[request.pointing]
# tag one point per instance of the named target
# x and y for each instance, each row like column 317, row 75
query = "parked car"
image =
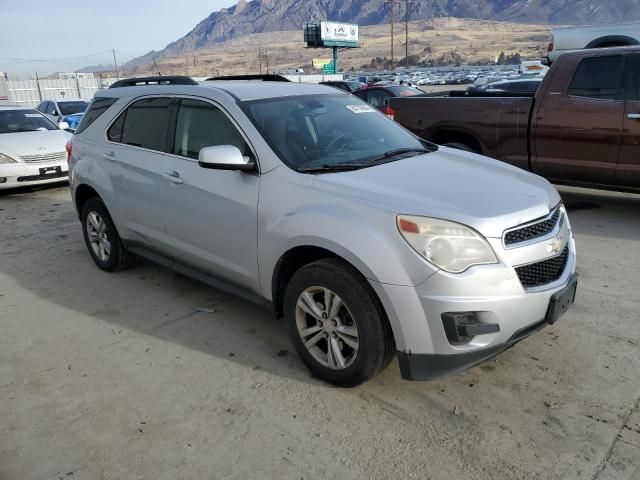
column 364, row 237
column 55, row 110
column 599, row 36
column 527, row 86
column 32, row 148
column 72, row 120
column 378, row 96
column 581, row 128
column 347, row 86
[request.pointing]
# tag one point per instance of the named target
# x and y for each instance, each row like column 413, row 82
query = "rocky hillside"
column 258, row 16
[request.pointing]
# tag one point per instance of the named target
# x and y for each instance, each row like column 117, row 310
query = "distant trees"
column 512, row 59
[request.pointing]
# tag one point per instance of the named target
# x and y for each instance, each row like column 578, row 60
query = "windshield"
column 67, row 108
column 323, row 130
column 14, row 121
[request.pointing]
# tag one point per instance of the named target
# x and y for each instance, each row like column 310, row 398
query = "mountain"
column 258, row 16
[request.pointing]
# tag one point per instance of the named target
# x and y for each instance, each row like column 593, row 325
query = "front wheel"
column 336, row 324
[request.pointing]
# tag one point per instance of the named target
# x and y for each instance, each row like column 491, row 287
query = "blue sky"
column 48, row 29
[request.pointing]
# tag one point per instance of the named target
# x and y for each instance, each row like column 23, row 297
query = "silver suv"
column 366, row 239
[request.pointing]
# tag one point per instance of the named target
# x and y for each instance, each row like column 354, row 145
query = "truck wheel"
column 336, row 324
column 102, row 239
column 460, row 146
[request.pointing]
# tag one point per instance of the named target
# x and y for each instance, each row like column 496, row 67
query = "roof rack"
column 265, row 78
column 168, row 80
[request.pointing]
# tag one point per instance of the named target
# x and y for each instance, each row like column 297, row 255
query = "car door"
column 628, row 169
column 577, row 129
column 211, row 215
column 134, row 157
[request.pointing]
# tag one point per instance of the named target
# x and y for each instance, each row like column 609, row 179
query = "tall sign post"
column 334, row 35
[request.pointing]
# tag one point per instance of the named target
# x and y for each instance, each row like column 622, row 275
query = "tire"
column 102, row 239
column 356, row 307
column 460, row 146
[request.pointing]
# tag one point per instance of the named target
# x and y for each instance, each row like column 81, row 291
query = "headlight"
column 6, row 159
column 447, row 245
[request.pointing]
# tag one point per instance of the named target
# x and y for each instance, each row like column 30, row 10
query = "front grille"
column 541, row 273
column 44, row 157
column 535, row 230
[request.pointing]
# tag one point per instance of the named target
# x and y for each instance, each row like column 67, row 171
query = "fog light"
column 3, row 179
column 461, row 327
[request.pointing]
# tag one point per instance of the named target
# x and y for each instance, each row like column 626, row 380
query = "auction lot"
column 148, row 374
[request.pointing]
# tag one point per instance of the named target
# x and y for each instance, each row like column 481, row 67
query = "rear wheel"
column 336, row 324
column 102, row 239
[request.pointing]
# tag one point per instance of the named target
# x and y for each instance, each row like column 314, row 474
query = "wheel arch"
column 612, row 41
column 84, row 192
column 446, row 135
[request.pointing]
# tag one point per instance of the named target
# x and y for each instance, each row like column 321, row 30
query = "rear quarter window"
column 98, row 106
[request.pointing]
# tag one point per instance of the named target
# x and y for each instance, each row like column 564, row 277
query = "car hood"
column 32, row 143
column 485, row 194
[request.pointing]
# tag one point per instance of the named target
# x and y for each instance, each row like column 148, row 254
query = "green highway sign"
column 327, row 68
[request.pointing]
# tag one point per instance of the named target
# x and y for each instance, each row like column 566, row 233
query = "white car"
column 32, row 148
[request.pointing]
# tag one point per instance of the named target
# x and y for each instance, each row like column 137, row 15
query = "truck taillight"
column 550, row 46
column 389, row 112
column 69, row 148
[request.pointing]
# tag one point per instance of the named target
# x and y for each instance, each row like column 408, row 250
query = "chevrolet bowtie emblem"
column 557, row 244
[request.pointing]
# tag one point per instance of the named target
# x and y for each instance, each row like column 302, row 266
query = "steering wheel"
column 345, row 139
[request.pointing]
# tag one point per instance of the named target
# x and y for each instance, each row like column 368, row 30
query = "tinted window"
column 633, row 78
column 50, row 108
column 97, row 108
column 598, row 77
column 114, row 134
column 201, row 125
column 68, row 108
column 145, row 124
column 377, row 98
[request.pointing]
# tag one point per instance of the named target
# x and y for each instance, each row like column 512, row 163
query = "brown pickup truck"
column 582, row 127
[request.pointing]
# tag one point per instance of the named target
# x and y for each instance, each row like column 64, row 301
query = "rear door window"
column 144, row 124
column 97, row 108
column 377, row 98
column 598, row 77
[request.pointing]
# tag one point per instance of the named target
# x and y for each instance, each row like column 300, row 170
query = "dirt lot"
column 147, row 374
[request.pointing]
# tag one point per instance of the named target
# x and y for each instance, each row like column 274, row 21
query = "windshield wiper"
column 338, row 167
column 397, row 151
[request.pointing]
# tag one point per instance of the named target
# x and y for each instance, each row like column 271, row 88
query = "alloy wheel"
column 98, row 236
column 327, row 328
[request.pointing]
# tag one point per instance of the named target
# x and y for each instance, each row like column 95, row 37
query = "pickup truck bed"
column 581, row 128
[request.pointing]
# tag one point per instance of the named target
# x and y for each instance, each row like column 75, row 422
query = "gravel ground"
column 146, row 374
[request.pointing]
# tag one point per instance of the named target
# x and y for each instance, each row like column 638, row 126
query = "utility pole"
column 260, row 58
column 392, row 3
column 115, row 63
column 266, row 56
column 406, row 33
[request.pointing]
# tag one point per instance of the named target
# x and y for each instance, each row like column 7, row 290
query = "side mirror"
column 55, row 114
column 225, row 157
column 63, row 125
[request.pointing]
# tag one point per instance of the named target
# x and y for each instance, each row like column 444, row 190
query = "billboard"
column 339, row 32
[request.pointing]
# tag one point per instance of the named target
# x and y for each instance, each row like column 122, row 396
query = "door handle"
column 634, row 116
column 109, row 156
column 173, row 177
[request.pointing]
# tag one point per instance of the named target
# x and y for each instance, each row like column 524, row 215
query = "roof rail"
column 265, row 78
column 168, row 80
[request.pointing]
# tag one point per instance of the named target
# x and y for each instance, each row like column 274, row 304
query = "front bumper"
column 22, row 174
column 493, row 293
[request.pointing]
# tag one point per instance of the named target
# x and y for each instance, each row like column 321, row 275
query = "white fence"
column 31, row 92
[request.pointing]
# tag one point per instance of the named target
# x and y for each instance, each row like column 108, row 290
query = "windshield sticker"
column 361, row 108
column 32, row 115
